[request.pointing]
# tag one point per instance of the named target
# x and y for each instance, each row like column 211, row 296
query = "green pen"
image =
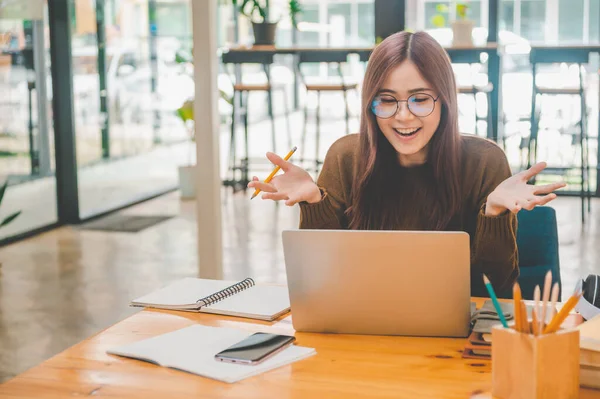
column 490, row 289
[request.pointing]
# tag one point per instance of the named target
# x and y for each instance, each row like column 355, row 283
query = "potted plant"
column 257, row 11
column 187, row 172
column 462, row 26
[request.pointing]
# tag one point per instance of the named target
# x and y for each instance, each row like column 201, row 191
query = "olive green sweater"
column 483, row 167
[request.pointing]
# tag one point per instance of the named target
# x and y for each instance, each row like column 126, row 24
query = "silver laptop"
column 413, row 283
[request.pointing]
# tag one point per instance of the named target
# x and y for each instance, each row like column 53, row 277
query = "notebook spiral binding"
column 226, row 292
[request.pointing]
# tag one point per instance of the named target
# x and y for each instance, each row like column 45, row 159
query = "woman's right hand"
column 293, row 186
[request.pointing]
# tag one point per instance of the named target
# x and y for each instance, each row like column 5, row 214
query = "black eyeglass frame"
column 407, row 104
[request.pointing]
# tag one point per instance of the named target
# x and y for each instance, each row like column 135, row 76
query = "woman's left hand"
column 514, row 194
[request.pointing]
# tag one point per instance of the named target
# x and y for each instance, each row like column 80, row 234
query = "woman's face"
column 408, row 132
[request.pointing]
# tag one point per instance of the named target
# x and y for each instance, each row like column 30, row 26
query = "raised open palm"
column 514, row 193
column 293, row 186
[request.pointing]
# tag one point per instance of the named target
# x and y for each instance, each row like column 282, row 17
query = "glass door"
column 128, row 85
column 26, row 129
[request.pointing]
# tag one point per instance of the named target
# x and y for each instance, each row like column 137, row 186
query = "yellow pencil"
column 562, row 314
column 517, row 307
column 535, row 326
column 274, row 172
column 525, row 319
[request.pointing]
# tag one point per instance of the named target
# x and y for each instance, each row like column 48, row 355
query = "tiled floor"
column 60, row 287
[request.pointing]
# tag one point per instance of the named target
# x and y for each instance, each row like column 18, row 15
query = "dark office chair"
column 537, row 243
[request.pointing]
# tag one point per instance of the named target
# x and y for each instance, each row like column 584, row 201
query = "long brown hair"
column 372, row 206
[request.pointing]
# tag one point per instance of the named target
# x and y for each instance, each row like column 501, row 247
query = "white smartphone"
column 255, row 349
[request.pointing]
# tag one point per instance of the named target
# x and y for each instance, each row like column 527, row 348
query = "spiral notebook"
column 230, row 298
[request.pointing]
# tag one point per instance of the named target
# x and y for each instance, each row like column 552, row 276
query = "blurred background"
column 130, row 75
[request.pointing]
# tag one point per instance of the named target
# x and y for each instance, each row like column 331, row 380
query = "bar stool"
column 474, row 90
column 470, row 58
column 574, row 56
column 330, row 57
column 265, row 59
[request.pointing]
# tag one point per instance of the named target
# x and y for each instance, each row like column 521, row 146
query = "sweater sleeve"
column 494, row 246
column 329, row 213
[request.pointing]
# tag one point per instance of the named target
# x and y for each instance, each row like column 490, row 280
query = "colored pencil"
column 562, row 314
column 494, row 299
column 517, row 308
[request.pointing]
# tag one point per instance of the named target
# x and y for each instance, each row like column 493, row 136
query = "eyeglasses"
column 419, row 104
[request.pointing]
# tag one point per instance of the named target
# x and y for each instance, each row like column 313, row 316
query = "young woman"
column 410, row 169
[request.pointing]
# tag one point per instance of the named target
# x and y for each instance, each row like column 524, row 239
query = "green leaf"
column 243, row 8
column 261, row 10
column 438, row 21
column 3, row 190
column 186, row 111
column 442, row 8
column 182, row 57
column 295, row 6
column 10, row 219
column 295, row 9
column 461, row 10
column 225, row 97
column 12, row 154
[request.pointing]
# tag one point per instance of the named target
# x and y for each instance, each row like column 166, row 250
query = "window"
column 309, row 34
column 366, row 23
column 173, row 20
column 533, row 16
column 570, row 21
column 340, row 24
column 507, row 15
column 474, row 13
column 437, row 14
column 594, row 24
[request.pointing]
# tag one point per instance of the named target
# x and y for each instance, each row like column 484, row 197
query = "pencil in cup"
column 545, row 299
column 517, row 308
column 494, row 299
column 562, row 314
column 274, row 172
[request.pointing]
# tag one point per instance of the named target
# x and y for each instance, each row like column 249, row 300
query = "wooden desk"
column 346, row 366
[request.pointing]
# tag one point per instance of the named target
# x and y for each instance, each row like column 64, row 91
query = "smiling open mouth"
column 407, row 132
